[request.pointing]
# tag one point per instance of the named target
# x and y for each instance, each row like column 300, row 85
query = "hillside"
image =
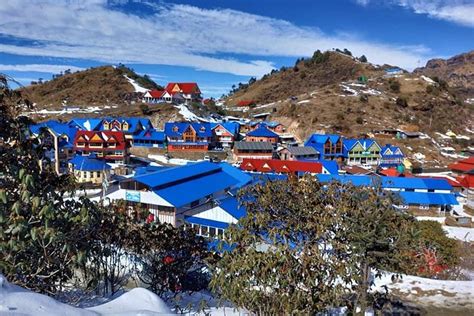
column 105, row 85
column 322, row 70
column 328, row 97
column 457, row 71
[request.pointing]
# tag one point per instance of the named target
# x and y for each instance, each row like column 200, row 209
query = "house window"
column 81, row 144
column 212, row 232
column 98, row 174
column 204, row 231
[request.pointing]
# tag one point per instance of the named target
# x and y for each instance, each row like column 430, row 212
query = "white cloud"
column 47, row 68
column 181, row 35
column 457, row 11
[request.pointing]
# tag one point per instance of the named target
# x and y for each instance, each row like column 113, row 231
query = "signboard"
column 132, row 196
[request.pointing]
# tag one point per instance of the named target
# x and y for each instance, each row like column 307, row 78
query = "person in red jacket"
column 150, row 218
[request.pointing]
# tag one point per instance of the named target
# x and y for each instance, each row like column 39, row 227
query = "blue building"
column 59, row 137
column 174, row 194
column 391, row 156
column 150, row 138
column 416, row 194
column 362, row 152
column 262, row 134
column 329, row 146
column 88, row 169
column 187, row 136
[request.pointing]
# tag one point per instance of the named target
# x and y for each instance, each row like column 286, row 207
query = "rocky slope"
column 457, row 71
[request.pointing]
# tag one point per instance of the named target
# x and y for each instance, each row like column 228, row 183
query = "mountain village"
column 236, row 158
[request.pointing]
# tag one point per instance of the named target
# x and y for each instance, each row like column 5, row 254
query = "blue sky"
column 218, row 43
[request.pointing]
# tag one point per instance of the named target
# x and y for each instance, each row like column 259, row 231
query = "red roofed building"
column 281, row 166
column 188, row 90
column 109, row 145
column 462, row 166
column 246, row 103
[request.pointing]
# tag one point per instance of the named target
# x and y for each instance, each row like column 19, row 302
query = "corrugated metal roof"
column 180, row 173
column 253, row 145
column 232, row 206
column 415, row 183
column 176, row 129
column 262, row 131
column 205, row 222
column 430, row 198
column 188, row 191
column 88, row 163
column 302, row 150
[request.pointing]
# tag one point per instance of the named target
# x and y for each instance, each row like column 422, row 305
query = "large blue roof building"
column 174, row 194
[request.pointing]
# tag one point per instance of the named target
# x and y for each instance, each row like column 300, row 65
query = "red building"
column 281, row 166
column 109, row 145
column 462, row 166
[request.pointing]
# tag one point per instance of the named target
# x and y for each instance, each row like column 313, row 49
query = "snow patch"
column 186, row 113
column 303, row 101
column 427, row 79
column 172, row 161
column 438, row 293
column 15, row 300
column 135, row 85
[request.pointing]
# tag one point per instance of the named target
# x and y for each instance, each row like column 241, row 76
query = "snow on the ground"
column 172, row 161
column 460, row 233
column 437, row 293
column 264, row 105
column 187, row 114
column 371, row 91
column 427, row 79
column 135, row 85
column 213, row 306
column 303, row 101
column 138, row 301
column 67, row 110
column 347, row 89
column 15, row 300
column 443, row 136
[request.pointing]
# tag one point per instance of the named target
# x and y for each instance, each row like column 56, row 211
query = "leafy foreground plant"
column 48, row 240
column 305, row 247
column 42, row 234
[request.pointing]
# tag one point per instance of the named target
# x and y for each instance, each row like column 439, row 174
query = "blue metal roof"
column 86, row 124
column 89, row 163
column 415, row 183
column 133, row 123
column 390, row 182
column 188, row 191
column 150, row 134
column 355, row 180
column 242, row 177
column 430, row 198
column 180, row 173
column 232, row 127
column 262, row 131
column 176, row 129
column 59, row 129
column 317, row 141
column 330, row 165
column 232, row 206
column 206, row 222
column 393, row 149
